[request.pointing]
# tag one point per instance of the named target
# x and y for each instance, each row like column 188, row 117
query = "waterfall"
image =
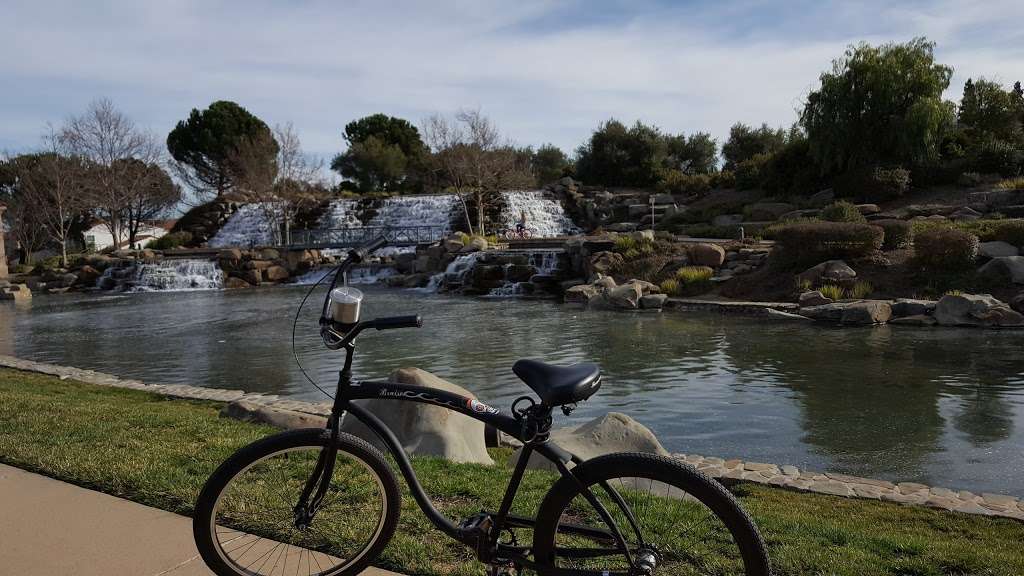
column 167, row 275
column 454, row 273
column 545, row 217
column 401, row 211
column 357, row 275
column 247, row 227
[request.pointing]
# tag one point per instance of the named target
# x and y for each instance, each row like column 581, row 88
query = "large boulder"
column 821, row 199
column 835, row 271
column 1004, row 270
column 581, row 294
column 653, row 301
column 16, row 292
column 624, row 297
column 997, row 249
column 475, row 244
column 711, row 255
column 232, row 283
column 910, row 307
column 424, row 429
column 453, row 243
column 604, row 263
column 612, row 432
column 87, row 276
column 975, row 310
column 1017, row 303
column 866, row 312
column 813, row 298
column 276, row 273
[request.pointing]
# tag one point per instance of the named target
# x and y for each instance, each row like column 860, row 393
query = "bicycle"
column 518, row 234
column 329, row 501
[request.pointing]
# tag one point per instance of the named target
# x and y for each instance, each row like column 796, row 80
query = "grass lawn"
column 159, row 451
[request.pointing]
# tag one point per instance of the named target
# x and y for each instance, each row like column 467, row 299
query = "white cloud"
column 545, row 71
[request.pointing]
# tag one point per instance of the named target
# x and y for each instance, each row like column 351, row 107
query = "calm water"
column 941, row 406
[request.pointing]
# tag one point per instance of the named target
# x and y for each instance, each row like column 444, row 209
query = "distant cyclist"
column 521, row 223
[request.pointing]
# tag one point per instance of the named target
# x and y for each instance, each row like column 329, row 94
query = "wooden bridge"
column 356, row 236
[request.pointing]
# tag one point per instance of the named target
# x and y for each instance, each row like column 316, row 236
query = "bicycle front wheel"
column 245, row 521
column 672, row 520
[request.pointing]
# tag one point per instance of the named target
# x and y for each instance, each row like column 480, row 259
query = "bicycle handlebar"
column 359, row 254
column 397, row 322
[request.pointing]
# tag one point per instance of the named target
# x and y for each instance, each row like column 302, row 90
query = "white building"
column 98, row 237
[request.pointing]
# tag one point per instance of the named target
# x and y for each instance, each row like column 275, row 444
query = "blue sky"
column 545, row 71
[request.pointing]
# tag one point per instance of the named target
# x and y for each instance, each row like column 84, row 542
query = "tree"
column 107, row 141
column 879, row 105
column 22, row 216
column 745, row 142
column 49, row 183
column 152, row 194
column 549, row 163
column 204, row 145
column 987, row 110
column 642, row 155
column 384, row 153
column 471, row 157
column 696, row 154
column 282, row 189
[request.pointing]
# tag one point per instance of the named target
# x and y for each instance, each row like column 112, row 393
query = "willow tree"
column 879, row 105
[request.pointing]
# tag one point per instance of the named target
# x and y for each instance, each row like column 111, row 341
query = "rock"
column 646, row 287
column 821, row 199
column 519, row 272
column 262, row 414
column 638, row 210
column 653, row 301
column 276, row 273
column 621, row 227
column 997, row 249
column 825, row 312
column 965, row 213
column 1018, row 303
column 233, row 282
column 868, row 209
column 814, row 298
column 612, row 432
column 774, row 314
column 424, row 429
column 910, row 307
column 866, row 312
column 660, row 199
column 258, row 264
column 87, row 276
column 643, row 235
column 16, row 293
column 233, row 254
column 270, row 254
column 702, row 254
column 604, row 263
column 625, row 297
column 254, row 277
column 797, row 214
column 475, row 244
column 604, row 282
column 453, row 243
column 830, row 271
column 768, row 211
column 975, row 310
column 727, row 220
column 1004, row 270
column 581, row 294
column 914, row 320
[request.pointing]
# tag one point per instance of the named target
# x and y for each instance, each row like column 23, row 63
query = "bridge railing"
column 348, row 237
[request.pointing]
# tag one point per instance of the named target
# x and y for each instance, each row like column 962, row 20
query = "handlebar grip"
column 360, row 254
column 398, row 322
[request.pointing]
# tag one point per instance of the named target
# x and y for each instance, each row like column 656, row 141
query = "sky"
column 544, row 71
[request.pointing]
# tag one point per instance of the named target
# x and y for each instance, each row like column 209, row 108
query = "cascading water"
column 545, row 216
column 405, row 211
column 358, row 275
column 167, row 275
column 249, row 226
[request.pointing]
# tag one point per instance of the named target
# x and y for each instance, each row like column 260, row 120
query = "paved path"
column 51, row 527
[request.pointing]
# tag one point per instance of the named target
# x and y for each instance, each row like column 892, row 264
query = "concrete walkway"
column 51, row 527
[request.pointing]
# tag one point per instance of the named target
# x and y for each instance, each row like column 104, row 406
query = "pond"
column 939, row 406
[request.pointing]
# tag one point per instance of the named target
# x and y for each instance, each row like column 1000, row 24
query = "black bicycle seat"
column 558, row 385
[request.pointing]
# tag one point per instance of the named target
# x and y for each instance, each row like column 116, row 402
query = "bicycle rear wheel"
column 245, row 520
column 674, row 520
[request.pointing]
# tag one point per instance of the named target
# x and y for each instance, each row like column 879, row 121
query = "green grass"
column 159, row 452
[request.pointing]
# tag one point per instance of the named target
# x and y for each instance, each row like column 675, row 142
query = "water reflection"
column 940, row 406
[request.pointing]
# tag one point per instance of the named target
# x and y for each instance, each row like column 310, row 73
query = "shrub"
column 676, row 182
column 172, row 240
column 1011, row 184
column 694, row 274
column 997, row 156
column 750, row 173
column 945, row 250
column 860, row 289
column 842, row 211
column 832, row 291
column 711, row 231
column 813, row 242
column 631, row 247
column 670, row 287
column 873, row 184
column 723, row 179
column 899, row 234
column 1009, row 231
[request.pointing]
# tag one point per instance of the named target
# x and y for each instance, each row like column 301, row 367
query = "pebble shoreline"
column 728, row 471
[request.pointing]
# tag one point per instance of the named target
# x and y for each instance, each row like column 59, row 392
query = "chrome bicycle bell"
column 345, row 303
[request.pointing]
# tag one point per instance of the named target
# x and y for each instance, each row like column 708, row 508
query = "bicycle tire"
column 204, row 520
column 666, row 471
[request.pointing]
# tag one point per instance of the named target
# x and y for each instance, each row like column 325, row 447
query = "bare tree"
column 152, row 195
column 282, row 189
column 472, row 157
column 108, row 139
column 50, row 182
column 21, row 216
